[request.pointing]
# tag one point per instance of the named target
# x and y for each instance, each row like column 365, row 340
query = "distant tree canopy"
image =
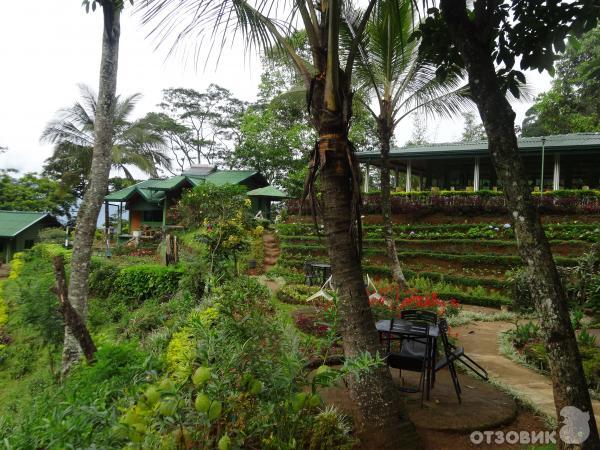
column 197, row 127
column 32, row 192
column 474, row 130
column 572, row 105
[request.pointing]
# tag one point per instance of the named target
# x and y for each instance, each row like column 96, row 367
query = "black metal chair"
column 452, row 354
column 310, row 275
column 416, row 354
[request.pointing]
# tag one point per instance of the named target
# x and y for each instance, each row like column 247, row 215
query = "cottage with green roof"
column 151, row 202
column 19, row 230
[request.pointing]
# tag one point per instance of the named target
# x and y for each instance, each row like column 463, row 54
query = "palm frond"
column 209, row 25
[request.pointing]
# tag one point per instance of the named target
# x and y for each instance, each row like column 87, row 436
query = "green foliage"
column 52, row 236
column 216, row 395
column 572, row 105
column 72, row 133
column 222, row 217
column 32, row 192
column 103, row 275
column 146, row 281
column 80, row 412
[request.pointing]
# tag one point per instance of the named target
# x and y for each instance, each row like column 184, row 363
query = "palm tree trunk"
column 386, row 207
column 374, row 393
column 566, row 371
column 87, row 215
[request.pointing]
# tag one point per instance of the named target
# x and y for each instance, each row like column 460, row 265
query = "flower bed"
column 480, row 202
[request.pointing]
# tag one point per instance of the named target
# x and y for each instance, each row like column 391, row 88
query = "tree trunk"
column 87, row 215
column 566, row 371
column 71, row 317
column 377, row 398
column 386, row 207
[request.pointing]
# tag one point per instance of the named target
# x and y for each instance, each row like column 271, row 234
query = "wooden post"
column 71, row 317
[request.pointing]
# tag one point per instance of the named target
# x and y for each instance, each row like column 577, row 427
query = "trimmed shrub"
column 148, row 281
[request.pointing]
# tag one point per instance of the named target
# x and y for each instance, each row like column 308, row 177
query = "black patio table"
column 403, row 329
column 324, row 268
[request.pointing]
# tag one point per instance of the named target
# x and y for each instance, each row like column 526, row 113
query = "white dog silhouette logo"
column 576, row 428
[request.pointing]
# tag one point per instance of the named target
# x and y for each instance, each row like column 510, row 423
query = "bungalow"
column 151, row 202
column 569, row 161
column 19, row 230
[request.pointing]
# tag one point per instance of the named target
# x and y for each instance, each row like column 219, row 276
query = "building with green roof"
column 19, row 230
column 569, row 161
column 151, row 202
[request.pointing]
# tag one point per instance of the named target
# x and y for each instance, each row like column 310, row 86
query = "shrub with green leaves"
column 141, row 282
column 231, row 383
column 81, row 412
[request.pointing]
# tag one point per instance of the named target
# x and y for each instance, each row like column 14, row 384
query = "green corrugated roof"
column 14, row 222
column 268, row 192
column 168, row 184
column 556, row 143
column 222, row 177
column 154, row 190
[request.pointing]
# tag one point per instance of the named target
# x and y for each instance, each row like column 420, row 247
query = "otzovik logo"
column 576, row 428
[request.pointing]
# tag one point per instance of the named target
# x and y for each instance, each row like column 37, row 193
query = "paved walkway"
column 480, row 340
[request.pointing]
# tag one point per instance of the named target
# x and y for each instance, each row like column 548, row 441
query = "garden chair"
column 322, row 292
column 415, row 353
column 309, row 273
column 452, row 354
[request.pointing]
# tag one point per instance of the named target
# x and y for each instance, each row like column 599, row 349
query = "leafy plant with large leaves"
column 327, row 77
column 72, row 130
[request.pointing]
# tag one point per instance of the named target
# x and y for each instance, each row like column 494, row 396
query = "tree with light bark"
column 388, row 67
column 87, row 215
column 327, row 78
column 486, row 38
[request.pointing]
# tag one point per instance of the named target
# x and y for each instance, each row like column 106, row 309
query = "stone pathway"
column 271, row 250
column 480, row 340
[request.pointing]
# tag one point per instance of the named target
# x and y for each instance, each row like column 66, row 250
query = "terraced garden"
column 473, row 263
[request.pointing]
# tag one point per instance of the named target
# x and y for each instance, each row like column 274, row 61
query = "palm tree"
column 389, row 68
column 103, row 143
column 327, row 79
column 133, row 143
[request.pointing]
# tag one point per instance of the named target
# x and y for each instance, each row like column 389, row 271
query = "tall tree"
column 389, row 68
column 473, row 130
column 135, row 144
column 202, row 125
column 486, row 38
column 87, row 215
column 327, row 79
column 572, row 105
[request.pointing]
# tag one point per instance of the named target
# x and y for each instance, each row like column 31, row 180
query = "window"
column 153, row 216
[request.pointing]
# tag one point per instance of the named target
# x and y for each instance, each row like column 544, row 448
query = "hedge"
column 146, row 281
column 472, row 258
column 463, row 202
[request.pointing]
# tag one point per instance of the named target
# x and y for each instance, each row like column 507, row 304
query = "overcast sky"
column 48, row 47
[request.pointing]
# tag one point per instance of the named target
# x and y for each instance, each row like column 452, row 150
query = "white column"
column 408, row 176
column 366, row 187
column 476, row 175
column 556, row 178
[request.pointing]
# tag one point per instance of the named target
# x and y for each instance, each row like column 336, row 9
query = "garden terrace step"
column 451, row 246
